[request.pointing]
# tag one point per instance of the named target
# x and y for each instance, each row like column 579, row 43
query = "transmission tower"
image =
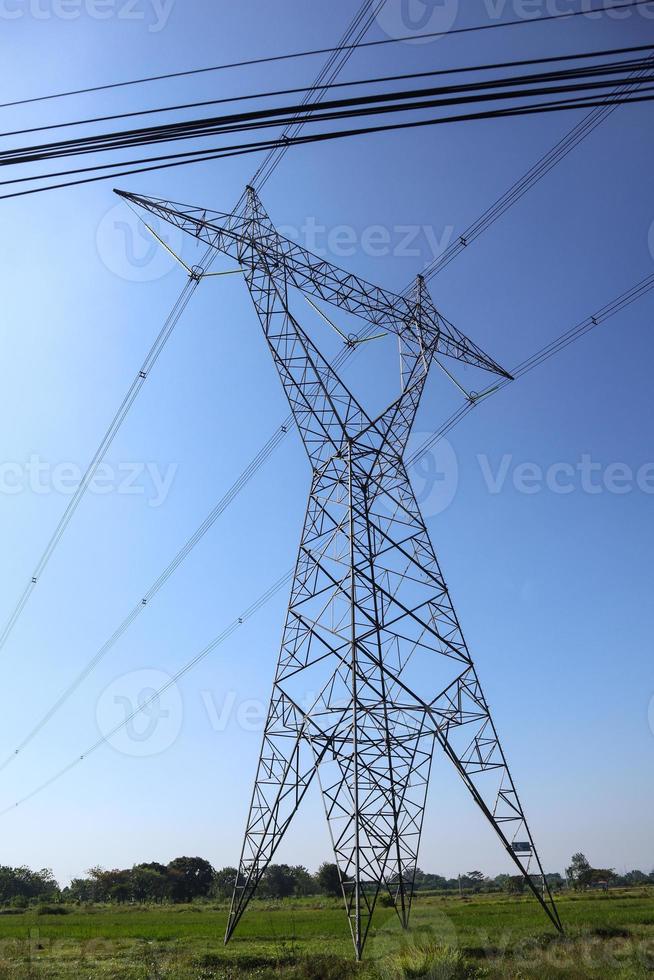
column 370, row 623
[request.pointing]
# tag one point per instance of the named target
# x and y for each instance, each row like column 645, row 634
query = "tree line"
column 183, row 880
column 188, row 879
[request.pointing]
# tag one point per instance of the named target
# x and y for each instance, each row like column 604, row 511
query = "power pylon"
column 370, row 622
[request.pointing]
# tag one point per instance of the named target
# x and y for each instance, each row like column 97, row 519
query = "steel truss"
column 370, row 621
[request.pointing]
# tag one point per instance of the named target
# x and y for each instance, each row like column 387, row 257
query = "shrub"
column 612, row 932
column 426, row 963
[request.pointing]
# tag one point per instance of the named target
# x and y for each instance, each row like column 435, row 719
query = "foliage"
column 19, row 885
column 223, row 882
column 149, row 883
column 580, row 874
column 189, row 878
column 278, row 881
column 515, row 884
column 579, row 866
column 329, row 880
column 182, row 880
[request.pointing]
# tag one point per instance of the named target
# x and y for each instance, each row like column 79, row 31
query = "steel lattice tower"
column 370, row 623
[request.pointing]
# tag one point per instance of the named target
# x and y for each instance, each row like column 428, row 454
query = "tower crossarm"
column 232, row 234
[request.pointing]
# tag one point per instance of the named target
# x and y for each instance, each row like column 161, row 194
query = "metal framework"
column 370, row 625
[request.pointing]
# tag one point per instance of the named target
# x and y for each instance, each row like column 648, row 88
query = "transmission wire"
column 333, row 85
column 317, row 51
column 337, row 109
column 532, row 176
column 204, row 156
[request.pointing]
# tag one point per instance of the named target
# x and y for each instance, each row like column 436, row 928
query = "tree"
column 515, row 885
column 279, row 881
column 148, row 884
column 578, row 868
column 424, row 880
column 329, row 880
column 636, row 877
column 582, row 875
column 223, row 882
column 112, row 886
column 98, row 885
column 189, row 877
column 304, row 883
column 555, row 880
column 22, row 884
column 153, row 866
column 474, row 879
column 80, row 890
column 598, row 876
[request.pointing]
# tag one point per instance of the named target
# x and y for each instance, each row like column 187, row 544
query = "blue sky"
column 553, row 589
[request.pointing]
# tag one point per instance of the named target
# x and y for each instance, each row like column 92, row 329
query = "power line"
column 318, row 51
column 558, row 152
column 216, row 153
column 578, row 79
column 492, row 66
column 154, row 589
column 610, row 309
column 584, row 327
column 337, row 60
column 539, row 357
column 198, row 658
column 106, row 441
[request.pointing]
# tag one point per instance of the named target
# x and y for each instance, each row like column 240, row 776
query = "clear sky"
column 553, row 588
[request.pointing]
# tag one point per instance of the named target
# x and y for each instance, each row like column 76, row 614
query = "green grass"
column 485, row 936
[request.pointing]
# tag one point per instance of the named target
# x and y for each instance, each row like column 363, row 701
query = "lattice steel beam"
column 370, row 616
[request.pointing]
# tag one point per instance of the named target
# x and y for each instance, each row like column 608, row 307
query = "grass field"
column 486, row 936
